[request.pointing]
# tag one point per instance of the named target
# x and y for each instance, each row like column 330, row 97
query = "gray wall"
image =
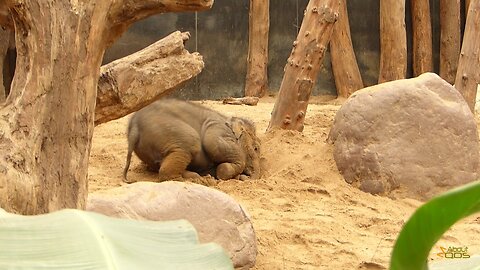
column 221, row 36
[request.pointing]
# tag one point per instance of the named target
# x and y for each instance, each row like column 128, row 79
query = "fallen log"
column 251, row 101
column 131, row 83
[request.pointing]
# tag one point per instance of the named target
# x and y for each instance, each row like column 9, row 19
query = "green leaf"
column 429, row 222
column 74, row 239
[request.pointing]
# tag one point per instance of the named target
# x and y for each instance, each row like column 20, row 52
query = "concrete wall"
column 221, row 36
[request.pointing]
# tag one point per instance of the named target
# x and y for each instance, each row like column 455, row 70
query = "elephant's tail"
column 133, row 136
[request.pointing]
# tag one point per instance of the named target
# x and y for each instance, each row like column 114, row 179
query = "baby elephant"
column 183, row 139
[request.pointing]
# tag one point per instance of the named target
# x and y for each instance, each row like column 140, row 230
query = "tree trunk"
column 467, row 5
column 449, row 38
column 422, row 37
column 393, row 41
column 344, row 64
column 302, row 67
column 48, row 118
column 133, row 82
column 468, row 73
column 4, row 45
column 259, row 23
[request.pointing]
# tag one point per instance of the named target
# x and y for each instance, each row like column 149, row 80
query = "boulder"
column 216, row 216
column 414, row 137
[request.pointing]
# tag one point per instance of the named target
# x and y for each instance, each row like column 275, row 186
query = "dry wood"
column 468, row 74
column 251, row 101
column 256, row 83
column 303, row 65
column 393, row 41
column 5, row 43
column 344, row 63
column 132, row 82
column 47, row 120
column 449, row 38
column 422, row 37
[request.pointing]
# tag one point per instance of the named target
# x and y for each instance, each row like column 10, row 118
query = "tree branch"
column 132, row 82
column 125, row 12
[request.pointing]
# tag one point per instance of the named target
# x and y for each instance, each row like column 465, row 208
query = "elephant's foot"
column 228, row 171
column 189, row 174
column 174, row 166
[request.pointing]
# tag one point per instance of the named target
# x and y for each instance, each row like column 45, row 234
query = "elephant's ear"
column 237, row 127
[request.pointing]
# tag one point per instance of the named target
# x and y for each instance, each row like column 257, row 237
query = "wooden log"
column 256, row 83
column 393, row 41
column 130, row 83
column 303, row 65
column 449, row 38
column 344, row 63
column 468, row 73
column 422, row 37
column 251, row 101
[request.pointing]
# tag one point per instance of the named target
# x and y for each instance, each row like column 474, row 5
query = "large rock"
column 216, row 216
column 414, row 137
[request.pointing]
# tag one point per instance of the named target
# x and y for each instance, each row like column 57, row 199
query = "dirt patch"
column 305, row 215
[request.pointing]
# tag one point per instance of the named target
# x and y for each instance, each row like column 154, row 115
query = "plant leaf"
column 429, row 222
column 74, row 239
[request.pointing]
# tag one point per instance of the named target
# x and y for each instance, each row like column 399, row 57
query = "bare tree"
column 259, row 23
column 468, row 73
column 344, row 63
column 422, row 37
column 449, row 38
column 303, row 64
column 47, row 120
column 393, row 41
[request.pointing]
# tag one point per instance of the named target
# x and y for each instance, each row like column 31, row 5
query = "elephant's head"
column 245, row 133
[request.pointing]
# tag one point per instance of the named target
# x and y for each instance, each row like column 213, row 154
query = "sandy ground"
column 305, row 215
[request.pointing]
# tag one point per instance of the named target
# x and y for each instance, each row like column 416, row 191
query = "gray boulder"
column 216, row 216
column 414, row 137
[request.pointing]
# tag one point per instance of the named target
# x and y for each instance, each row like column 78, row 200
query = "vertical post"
column 344, row 64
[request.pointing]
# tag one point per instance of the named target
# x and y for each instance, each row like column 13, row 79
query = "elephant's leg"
column 174, row 165
column 229, row 170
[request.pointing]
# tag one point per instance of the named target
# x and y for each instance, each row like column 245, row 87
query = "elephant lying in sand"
column 183, row 139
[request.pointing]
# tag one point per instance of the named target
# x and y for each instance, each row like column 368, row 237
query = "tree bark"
column 256, row 83
column 133, row 82
column 47, row 121
column 393, row 41
column 422, row 37
column 468, row 74
column 5, row 41
column 344, row 63
column 304, row 64
column 467, row 5
column 449, row 38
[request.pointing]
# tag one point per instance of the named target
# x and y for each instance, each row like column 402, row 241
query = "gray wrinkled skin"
column 185, row 140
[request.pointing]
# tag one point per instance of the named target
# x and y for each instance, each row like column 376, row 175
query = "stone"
column 406, row 138
column 216, row 216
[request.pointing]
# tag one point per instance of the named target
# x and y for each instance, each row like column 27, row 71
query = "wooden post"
column 344, row 64
column 422, row 37
column 303, row 64
column 393, row 41
column 449, row 38
column 256, row 83
column 468, row 73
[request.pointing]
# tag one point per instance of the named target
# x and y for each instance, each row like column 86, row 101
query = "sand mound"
column 305, row 215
